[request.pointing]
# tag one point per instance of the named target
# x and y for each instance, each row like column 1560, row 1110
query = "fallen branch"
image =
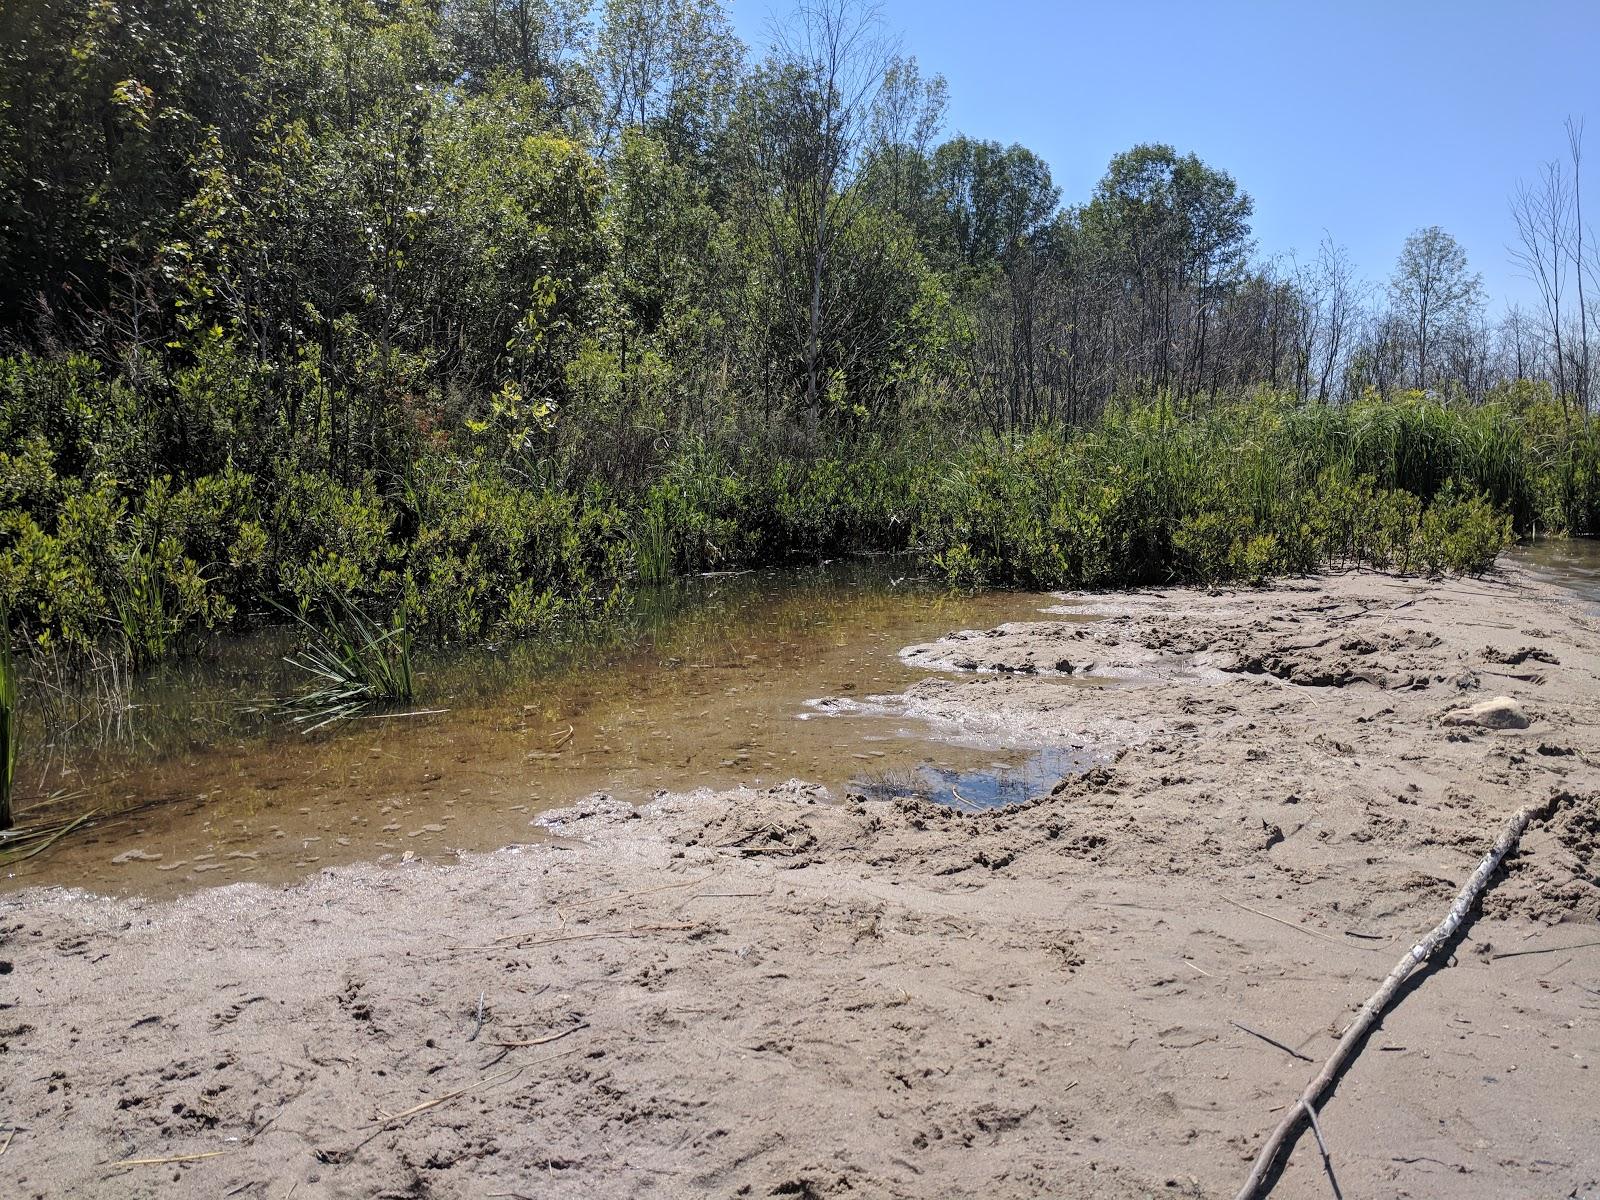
column 1288, row 1128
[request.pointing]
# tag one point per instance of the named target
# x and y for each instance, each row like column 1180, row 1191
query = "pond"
column 704, row 687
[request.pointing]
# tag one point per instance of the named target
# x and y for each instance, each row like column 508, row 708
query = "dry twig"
column 547, row 1039
column 1281, row 1138
column 1291, row 924
column 1327, row 1162
column 1271, row 1041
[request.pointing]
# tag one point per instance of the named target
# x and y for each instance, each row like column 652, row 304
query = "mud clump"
column 1515, row 658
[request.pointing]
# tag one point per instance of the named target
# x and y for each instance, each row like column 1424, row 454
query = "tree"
column 538, row 41
column 907, row 114
column 666, row 67
column 805, row 117
column 1434, row 295
column 991, row 199
column 1178, row 232
column 1332, row 297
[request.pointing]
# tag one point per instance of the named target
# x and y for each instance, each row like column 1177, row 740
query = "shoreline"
column 767, row 992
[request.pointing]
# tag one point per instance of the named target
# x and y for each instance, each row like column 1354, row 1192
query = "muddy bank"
column 787, row 992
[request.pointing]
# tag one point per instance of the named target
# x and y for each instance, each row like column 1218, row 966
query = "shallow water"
column 1571, row 563
column 703, row 690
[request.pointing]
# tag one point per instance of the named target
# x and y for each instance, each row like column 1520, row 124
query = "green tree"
column 1434, row 294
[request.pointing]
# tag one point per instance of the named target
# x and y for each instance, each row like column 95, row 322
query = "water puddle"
column 704, row 690
column 995, row 784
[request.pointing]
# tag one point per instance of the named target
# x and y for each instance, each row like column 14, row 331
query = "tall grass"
column 1243, row 490
column 652, row 545
column 352, row 659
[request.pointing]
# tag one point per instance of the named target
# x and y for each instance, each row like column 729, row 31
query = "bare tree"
column 810, row 109
column 1581, row 365
column 1543, row 216
column 1332, row 296
column 1521, row 351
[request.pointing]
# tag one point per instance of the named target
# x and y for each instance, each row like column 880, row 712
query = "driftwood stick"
column 1372, row 1010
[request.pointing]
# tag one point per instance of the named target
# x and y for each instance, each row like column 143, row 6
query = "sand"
column 791, row 993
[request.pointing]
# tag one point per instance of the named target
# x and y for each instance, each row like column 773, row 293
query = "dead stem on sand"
column 170, row 1158
column 547, row 1039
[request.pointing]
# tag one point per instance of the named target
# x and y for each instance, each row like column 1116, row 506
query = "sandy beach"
column 1114, row 990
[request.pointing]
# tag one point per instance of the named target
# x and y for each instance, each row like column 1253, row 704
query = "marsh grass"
column 1244, row 491
column 353, row 661
column 652, row 546
column 18, row 845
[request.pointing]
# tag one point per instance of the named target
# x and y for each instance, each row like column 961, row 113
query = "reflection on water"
column 701, row 689
column 994, row 784
column 1572, row 563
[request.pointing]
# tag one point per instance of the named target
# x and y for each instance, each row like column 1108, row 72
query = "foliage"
column 1243, row 492
column 475, row 316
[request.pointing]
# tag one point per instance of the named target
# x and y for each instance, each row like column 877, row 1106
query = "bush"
column 511, row 528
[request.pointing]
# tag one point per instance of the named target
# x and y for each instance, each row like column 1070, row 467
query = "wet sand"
column 789, row 992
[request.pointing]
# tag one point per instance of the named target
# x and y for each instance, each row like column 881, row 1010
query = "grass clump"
column 353, row 660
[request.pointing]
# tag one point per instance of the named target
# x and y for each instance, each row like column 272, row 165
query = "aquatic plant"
column 353, row 660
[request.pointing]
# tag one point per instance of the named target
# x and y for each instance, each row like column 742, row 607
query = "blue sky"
column 1367, row 120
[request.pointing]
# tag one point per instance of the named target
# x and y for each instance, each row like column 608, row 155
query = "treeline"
column 486, row 309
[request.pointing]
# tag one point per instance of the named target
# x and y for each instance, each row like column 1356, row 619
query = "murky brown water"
column 1572, row 563
column 705, row 691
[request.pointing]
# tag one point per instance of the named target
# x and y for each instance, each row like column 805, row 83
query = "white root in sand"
column 1372, row 1010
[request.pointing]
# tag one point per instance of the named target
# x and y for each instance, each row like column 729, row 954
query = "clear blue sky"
column 1364, row 119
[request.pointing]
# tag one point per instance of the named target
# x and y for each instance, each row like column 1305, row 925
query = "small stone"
column 1500, row 713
